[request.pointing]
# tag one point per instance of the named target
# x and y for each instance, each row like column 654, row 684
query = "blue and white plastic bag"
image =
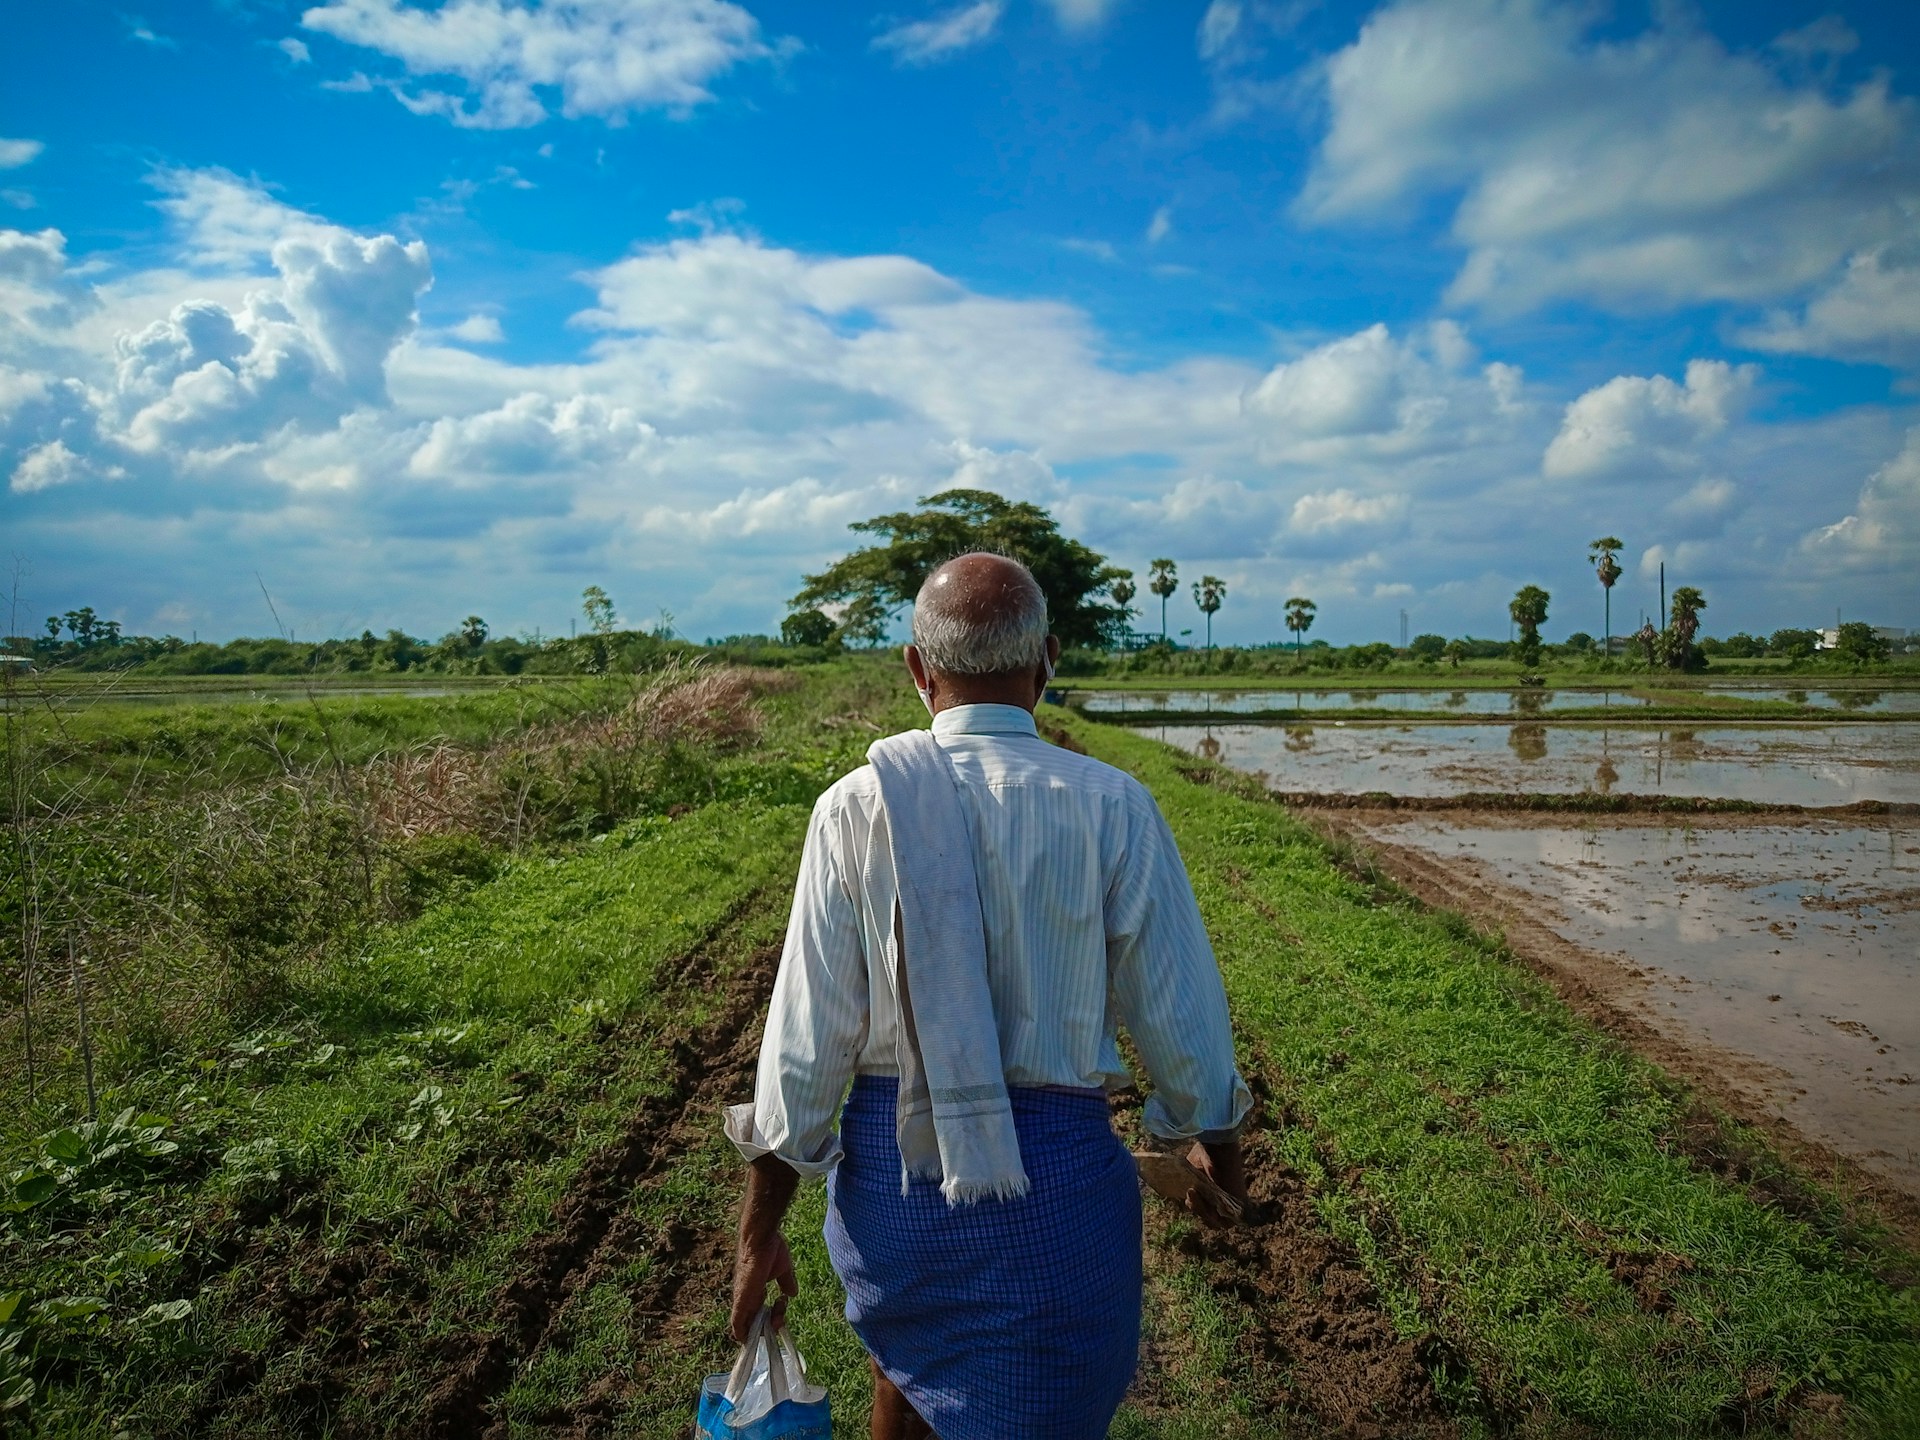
column 767, row 1395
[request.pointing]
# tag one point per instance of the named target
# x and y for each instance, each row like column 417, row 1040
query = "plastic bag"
column 767, row 1395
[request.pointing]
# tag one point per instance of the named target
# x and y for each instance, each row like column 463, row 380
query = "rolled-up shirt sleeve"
column 817, row 1022
column 1167, row 988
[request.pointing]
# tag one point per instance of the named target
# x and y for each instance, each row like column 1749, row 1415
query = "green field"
column 449, row 1157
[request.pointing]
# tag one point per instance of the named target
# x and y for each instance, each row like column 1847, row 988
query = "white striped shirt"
column 1090, row 924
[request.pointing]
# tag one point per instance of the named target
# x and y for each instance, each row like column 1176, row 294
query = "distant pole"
column 1663, row 590
column 1403, row 629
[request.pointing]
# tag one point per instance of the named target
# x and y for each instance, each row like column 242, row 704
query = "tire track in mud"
column 593, row 1233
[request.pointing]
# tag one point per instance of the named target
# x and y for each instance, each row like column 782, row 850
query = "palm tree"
column 1123, row 593
column 1685, row 620
column 1209, row 593
column 1162, row 579
column 473, row 632
column 1529, row 612
column 1601, row 555
column 1455, row 652
column 1300, row 613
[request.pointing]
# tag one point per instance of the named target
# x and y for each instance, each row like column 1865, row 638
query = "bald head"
column 981, row 614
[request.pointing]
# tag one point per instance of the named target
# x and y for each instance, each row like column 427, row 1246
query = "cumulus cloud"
column 15, row 153
column 479, row 329
column 1634, row 423
column 733, row 404
column 926, row 42
column 606, row 58
column 1342, row 509
column 1659, row 169
column 530, row 434
column 295, row 49
column 1883, row 531
column 1371, row 393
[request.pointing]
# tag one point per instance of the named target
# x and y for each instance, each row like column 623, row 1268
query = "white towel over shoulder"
column 955, row 1122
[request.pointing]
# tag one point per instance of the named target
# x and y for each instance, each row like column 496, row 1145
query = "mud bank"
column 1769, row 962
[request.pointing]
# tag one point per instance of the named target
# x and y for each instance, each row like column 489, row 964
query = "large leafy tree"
column 1529, row 611
column 872, row 583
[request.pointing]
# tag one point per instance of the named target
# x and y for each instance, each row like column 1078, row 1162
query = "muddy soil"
column 1612, row 993
column 1321, row 1356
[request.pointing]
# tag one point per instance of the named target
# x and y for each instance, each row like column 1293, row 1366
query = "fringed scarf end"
column 968, row 1192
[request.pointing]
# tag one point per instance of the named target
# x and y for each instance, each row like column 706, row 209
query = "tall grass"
column 170, row 877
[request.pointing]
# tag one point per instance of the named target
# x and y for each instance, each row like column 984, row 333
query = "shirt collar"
column 984, row 720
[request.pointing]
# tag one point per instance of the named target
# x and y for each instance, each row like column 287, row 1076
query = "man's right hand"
column 757, row 1263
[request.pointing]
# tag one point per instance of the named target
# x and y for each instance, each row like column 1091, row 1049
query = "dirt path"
column 1608, row 992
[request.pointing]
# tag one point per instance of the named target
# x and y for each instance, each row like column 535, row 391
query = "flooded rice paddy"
column 1796, row 945
column 1780, row 952
column 1517, row 703
column 1832, row 764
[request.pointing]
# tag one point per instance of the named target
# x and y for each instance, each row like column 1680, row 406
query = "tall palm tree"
column 1601, row 554
column 1685, row 619
column 1209, row 593
column 1123, row 592
column 1162, row 579
column 1300, row 613
column 1529, row 612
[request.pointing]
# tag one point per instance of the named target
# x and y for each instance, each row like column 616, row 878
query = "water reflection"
column 1832, row 764
column 1208, row 748
column 1528, row 742
column 1531, row 702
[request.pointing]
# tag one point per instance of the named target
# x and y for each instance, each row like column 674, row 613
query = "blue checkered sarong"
column 1003, row 1318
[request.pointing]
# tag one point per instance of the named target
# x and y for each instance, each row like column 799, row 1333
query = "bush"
column 1428, row 647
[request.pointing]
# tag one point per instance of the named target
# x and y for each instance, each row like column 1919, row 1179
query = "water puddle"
column 1796, row 944
column 1517, row 703
column 1827, row 764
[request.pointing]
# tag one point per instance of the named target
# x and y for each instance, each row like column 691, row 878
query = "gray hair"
column 981, row 614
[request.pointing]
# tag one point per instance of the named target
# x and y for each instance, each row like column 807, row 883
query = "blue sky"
column 406, row 311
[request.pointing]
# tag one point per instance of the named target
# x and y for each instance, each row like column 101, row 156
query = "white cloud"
column 925, row 42
column 1870, row 312
column 45, row 466
column 1161, row 225
column 732, row 404
column 1342, row 509
column 1101, row 250
column 1369, row 393
column 479, row 329
column 607, row 58
column 1660, row 169
column 1636, row 423
column 15, row 153
column 1882, row 534
column 530, row 434
column 1082, row 14
column 295, row 49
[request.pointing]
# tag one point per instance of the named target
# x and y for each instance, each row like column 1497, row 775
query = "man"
column 977, row 911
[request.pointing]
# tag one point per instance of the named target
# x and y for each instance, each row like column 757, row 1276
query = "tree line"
column 854, row 602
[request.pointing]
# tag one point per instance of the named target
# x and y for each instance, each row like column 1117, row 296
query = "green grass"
column 416, row 1123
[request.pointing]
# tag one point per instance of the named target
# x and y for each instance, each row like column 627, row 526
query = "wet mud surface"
column 1793, row 947
column 1810, row 765
column 1614, row 994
